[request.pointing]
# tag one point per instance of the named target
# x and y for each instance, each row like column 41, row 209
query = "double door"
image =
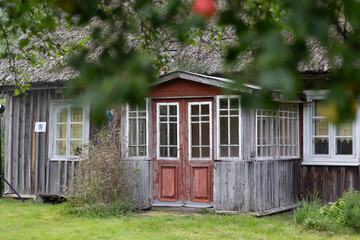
column 183, row 147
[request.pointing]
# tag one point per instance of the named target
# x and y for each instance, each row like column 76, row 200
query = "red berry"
column 205, row 8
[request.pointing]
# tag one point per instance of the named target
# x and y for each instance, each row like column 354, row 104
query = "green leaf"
column 23, row 43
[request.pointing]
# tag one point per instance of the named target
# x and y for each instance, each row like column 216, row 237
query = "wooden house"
column 192, row 147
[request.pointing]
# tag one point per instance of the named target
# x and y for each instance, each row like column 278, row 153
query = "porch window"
column 168, row 130
column 68, row 130
column 277, row 131
column 328, row 139
column 137, row 132
column 229, row 127
column 200, row 131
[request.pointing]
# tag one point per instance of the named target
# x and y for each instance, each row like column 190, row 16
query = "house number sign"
column 40, row 127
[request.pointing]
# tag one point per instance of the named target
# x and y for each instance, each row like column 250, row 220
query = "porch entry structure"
column 183, row 147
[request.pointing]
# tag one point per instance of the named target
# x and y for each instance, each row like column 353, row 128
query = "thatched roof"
column 197, row 59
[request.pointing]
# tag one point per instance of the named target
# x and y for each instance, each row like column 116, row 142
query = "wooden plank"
column 217, row 185
column 33, row 144
column 342, row 181
column 239, row 186
column 231, row 186
column 22, row 164
column 224, row 186
column 247, row 186
column 276, row 184
column 15, row 144
column 28, row 141
column 9, row 137
column 36, row 143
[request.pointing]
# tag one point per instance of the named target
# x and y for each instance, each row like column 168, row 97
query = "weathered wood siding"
column 139, row 175
column 329, row 182
column 27, row 166
column 256, row 185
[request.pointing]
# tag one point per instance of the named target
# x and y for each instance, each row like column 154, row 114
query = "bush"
column 341, row 216
column 99, row 187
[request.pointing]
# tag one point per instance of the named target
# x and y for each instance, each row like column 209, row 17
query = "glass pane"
column 142, row 151
column 224, row 151
column 76, row 114
column 173, row 152
column 172, row 110
column 163, row 133
column 173, row 133
column 194, row 109
column 344, row 146
column 234, row 151
column 142, row 131
column 132, row 108
column 224, row 130
column 163, row 152
column 205, row 119
column 195, row 134
column 195, row 119
column 142, row 114
column 321, row 127
column 163, row 110
column 234, row 130
column 205, row 134
column 223, row 103
column 205, row 152
column 205, row 109
column 132, row 114
column 195, row 152
column 224, row 112
column 132, row 132
column 321, row 146
column 61, row 148
column 62, row 116
column 234, row 103
column 319, row 108
column 61, row 131
column 132, row 151
column 172, row 119
column 234, row 112
column 75, row 147
column 76, row 131
column 345, row 129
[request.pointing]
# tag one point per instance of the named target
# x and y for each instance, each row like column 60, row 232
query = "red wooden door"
column 183, row 140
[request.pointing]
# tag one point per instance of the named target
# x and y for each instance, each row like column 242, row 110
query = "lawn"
column 44, row 221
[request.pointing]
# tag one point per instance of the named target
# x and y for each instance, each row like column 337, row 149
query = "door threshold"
column 188, row 204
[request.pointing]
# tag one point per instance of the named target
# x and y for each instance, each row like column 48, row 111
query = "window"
column 168, row 130
column 228, row 127
column 277, row 131
column 200, row 132
column 68, row 130
column 137, row 132
column 328, row 139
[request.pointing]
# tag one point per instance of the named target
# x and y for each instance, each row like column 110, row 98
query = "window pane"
column 62, row 116
column 321, row 145
column 194, row 109
column 132, row 132
column 195, row 152
column 224, row 130
column 321, row 127
column 205, row 109
column 76, row 131
column 205, row 152
column 142, row 151
column 195, row 134
column 142, row 131
column 61, row 148
column 173, row 133
column 61, row 131
column 319, row 108
column 345, row 129
column 173, row 151
column 163, row 134
column 75, row 147
column 76, row 114
column 344, row 146
column 132, row 151
column 224, row 151
column 234, row 130
column 163, row 110
column 223, row 103
column 205, row 134
column 234, row 103
column 172, row 110
column 163, row 152
column 234, row 151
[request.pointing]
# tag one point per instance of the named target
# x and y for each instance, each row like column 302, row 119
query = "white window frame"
column 277, row 133
column 218, row 128
column 190, row 132
column 54, row 105
column 331, row 159
column 158, row 130
column 137, row 130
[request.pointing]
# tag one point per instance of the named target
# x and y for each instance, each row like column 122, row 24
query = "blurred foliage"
column 276, row 34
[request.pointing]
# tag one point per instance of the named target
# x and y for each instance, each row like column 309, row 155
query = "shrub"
column 99, row 187
column 341, row 216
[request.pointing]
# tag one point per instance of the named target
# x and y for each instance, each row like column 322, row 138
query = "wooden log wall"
column 329, row 182
column 27, row 166
column 256, row 186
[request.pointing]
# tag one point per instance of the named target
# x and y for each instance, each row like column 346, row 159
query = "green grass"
column 38, row 221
